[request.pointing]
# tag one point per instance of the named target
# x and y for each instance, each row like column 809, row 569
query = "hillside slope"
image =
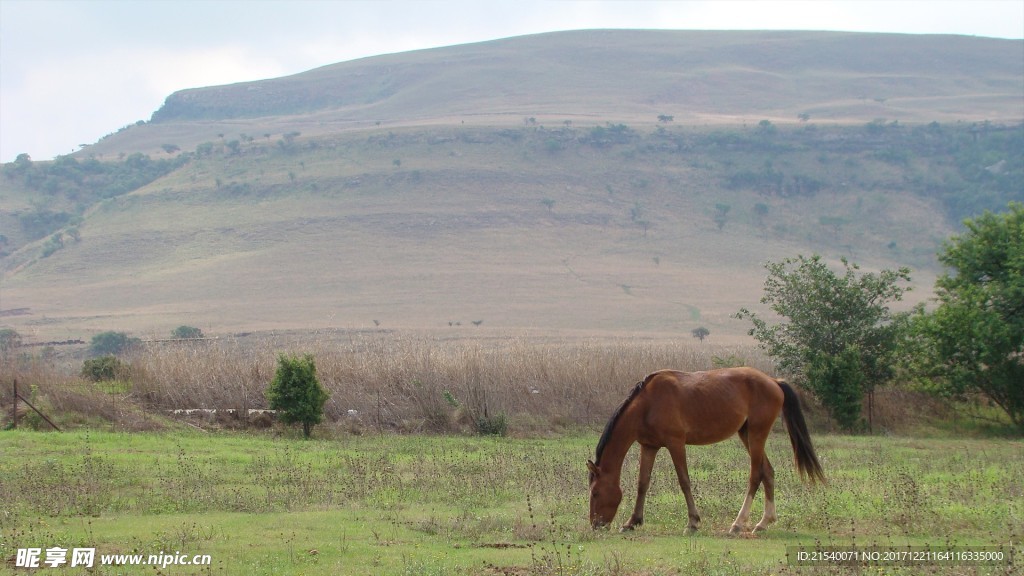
column 516, row 187
column 631, row 72
column 598, row 76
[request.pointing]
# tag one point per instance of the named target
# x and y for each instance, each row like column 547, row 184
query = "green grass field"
column 417, row 504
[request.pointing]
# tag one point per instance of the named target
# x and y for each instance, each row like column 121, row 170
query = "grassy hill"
column 524, row 185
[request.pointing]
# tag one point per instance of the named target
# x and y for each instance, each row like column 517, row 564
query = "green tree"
column 296, row 394
column 840, row 338
column 112, row 343
column 973, row 342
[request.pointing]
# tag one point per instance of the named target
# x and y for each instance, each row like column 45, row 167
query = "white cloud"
column 168, row 71
column 88, row 98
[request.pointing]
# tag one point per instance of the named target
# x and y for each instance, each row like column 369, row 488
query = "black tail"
column 806, row 460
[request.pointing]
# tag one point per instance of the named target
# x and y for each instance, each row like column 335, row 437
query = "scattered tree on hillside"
column 974, row 341
column 760, row 212
column 766, row 128
column 287, row 141
column 721, row 214
column 839, row 337
column 186, row 332
column 111, row 343
column 835, row 223
column 296, row 394
column 636, row 213
column 700, row 333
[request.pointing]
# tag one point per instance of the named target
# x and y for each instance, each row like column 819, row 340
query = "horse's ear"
column 593, row 468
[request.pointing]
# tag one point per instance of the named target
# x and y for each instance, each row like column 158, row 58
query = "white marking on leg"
column 768, row 517
column 744, row 515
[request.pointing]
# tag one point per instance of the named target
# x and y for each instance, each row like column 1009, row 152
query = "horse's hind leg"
column 768, row 479
column 754, row 443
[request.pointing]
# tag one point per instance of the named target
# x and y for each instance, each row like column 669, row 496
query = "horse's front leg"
column 678, row 452
column 647, row 455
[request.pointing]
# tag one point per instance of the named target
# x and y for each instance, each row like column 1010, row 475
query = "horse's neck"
column 618, row 446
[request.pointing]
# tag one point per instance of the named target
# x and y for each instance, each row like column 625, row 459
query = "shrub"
column 102, row 369
column 492, row 425
column 9, row 339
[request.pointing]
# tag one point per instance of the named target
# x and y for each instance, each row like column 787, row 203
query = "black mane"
column 615, row 418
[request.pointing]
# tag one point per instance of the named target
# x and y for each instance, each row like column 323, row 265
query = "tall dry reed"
column 406, row 382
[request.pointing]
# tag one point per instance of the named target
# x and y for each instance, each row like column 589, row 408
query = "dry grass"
column 405, row 383
column 417, row 383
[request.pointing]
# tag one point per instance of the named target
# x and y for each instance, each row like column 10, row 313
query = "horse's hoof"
column 627, row 528
column 735, row 529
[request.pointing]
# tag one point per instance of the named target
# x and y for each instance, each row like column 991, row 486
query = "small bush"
column 492, row 425
column 9, row 339
column 102, row 369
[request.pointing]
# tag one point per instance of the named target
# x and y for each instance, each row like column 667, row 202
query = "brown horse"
column 670, row 409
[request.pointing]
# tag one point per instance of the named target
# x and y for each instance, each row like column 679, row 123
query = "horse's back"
column 708, row 407
column 722, row 383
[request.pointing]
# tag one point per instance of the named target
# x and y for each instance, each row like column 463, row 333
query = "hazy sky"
column 73, row 71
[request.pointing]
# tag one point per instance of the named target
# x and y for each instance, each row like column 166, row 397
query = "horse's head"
column 605, row 496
